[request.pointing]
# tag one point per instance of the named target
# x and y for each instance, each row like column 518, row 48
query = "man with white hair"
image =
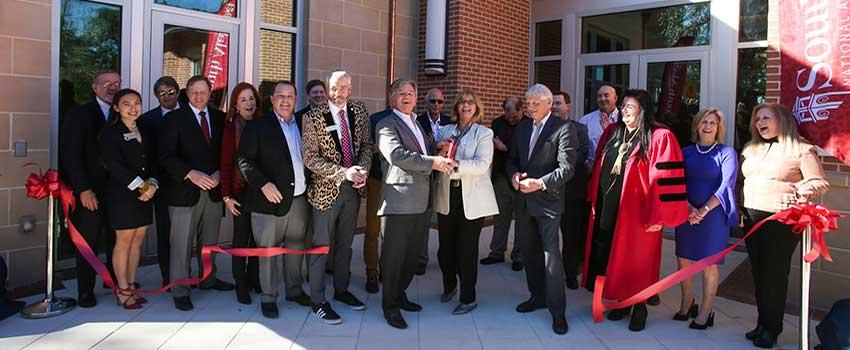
column 541, row 160
column 338, row 151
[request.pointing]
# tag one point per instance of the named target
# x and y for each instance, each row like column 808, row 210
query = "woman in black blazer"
column 127, row 153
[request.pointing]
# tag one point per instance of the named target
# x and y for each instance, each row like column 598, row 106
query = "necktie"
column 345, row 141
column 204, row 126
column 534, row 135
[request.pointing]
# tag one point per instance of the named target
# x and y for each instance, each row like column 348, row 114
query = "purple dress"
column 707, row 175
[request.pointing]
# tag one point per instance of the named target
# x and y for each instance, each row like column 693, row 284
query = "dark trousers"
column 574, row 235
column 404, row 235
column 544, row 270
column 334, row 228
column 163, row 230
column 770, row 250
column 458, row 252
column 246, row 271
column 95, row 229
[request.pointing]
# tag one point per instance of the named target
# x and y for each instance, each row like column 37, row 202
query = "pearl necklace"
column 709, row 149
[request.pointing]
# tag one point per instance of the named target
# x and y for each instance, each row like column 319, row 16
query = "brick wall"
column 24, row 116
column 352, row 35
column 830, row 281
column 275, row 59
column 178, row 67
column 487, row 51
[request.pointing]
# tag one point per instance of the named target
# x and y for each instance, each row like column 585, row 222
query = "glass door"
column 183, row 46
column 619, row 71
column 677, row 84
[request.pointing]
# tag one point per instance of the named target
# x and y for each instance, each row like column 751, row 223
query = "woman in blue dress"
column 710, row 172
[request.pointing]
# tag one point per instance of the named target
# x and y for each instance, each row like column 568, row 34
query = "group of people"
column 587, row 197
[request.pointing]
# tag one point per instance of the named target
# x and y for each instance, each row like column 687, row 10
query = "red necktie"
column 345, row 141
column 204, row 127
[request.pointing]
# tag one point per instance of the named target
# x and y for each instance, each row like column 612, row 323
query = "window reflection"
column 675, row 91
column 221, row 7
column 753, row 25
column 684, row 25
column 752, row 82
column 190, row 51
column 548, row 73
column 547, row 38
column 616, row 75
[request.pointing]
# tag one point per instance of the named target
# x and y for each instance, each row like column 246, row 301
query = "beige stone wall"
column 24, row 116
column 352, row 35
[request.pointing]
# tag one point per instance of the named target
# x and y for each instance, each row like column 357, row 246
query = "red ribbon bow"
column 819, row 218
column 40, row 186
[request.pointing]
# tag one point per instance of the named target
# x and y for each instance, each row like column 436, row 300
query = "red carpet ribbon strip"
column 40, row 186
column 820, row 218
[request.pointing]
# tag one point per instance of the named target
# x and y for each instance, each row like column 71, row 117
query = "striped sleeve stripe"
column 669, row 165
column 673, row 197
column 671, row 181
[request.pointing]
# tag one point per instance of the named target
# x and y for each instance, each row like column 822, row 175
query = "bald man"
column 598, row 120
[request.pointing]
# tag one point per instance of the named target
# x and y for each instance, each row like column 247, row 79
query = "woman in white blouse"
column 463, row 197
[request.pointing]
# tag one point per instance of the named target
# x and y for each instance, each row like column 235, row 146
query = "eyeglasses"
column 627, row 107
column 169, row 92
column 436, row 101
column 467, row 102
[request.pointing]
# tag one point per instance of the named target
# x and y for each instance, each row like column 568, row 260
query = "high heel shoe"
column 139, row 299
column 693, row 311
column 638, row 321
column 708, row 323
column 129, row 303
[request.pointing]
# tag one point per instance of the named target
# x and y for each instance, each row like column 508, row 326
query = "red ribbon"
column 41, row 186
column 818, row 217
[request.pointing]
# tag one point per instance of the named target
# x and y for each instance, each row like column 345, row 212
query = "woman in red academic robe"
column 637, row 187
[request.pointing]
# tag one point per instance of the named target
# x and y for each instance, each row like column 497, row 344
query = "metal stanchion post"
column 805, row 275
column 51, row 305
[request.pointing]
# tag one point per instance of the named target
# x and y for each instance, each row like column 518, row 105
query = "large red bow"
column 819, row 218
column 40, row 186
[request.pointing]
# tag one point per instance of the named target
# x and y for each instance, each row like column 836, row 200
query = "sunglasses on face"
column 169, row 92
column 436, row 101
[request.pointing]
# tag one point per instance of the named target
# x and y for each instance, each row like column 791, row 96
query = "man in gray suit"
column 541, row 160
column 405, row 198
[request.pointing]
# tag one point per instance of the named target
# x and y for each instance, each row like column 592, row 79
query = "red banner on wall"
column 673, row 83
column 815, row 81
column 216, row 55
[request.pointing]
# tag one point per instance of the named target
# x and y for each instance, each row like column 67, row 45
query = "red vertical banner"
column 217, row 53
column 815, row 80
column 673, row 84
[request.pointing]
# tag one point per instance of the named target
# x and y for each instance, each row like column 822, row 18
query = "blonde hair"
column 721, row 128
column 789, row 138
column 479, row 107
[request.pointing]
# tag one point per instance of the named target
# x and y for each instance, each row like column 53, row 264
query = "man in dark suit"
column 166, row 90
column 82, row 169
column 574, row 218
column 189, row 150
column 407, row 163
column 541, row 160
column 316, row 94
column 269, row 158
column 431, row 121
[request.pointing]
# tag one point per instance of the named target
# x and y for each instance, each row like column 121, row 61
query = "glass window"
column 752, row 81
column 221, row 7
column 675, row 92
column 674, row 26
column 280, row 12
column 547, row 38
column 277, row 60
column 189, row 51
column 616, row 75
column 753, row 25
column 548, row 73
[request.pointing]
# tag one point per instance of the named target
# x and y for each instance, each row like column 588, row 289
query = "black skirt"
column 126, row 211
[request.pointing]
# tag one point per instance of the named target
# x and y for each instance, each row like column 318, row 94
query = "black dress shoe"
column 560, row 326
column 372, row 284
column 243, row 295
column 619, row 314
column 654, row 300
column 447, row 296
column 269, row 310
column 183, row 303
column 220, row 285
column 491, row 260
column 765, row 340
column 753, row 334
column 693, row 311
column 86, row 300
column 708, row 323
column 516, row 266
column 410, row 306
column 529, row 306
column 301, row 299
column 395, row 320
column 572, row 283
column 420, row 269
column 638, row 321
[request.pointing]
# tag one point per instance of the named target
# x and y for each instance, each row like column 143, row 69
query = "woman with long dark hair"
column 244, row 106
column 637, row 187
column 128, row 155
column 780, row 169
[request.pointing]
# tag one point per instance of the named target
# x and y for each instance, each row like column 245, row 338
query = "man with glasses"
column 82, row 169
column 431, row 121
column 166, row 90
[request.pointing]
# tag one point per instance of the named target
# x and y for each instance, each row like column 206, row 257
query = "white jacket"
column 474, row 155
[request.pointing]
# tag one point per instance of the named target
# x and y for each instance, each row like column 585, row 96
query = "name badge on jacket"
column 129, row 136
column 332, row 128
